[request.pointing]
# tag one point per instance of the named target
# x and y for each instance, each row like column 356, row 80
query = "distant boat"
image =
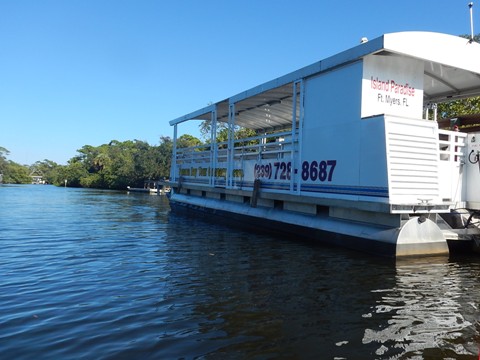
column 38, row 180
column 152, row 187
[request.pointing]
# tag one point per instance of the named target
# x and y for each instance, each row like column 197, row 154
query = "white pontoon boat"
column 347, row 150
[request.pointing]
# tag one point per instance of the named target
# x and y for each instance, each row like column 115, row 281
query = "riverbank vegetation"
column 115, row 165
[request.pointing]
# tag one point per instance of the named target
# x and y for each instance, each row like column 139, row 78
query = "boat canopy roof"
column 451, row 71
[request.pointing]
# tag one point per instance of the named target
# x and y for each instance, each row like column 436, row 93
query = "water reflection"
column 431, row 312
column 106, row 275
column 265, row 297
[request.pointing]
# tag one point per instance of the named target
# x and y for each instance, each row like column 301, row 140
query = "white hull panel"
column 414, row 238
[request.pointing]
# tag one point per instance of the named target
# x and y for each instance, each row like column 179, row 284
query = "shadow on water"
column 270, row 297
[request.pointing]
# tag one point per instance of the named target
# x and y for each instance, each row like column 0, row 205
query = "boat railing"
column 269, row 146
column 200, row 153
column 257, row 147
column 452, row 144
column 211, row 160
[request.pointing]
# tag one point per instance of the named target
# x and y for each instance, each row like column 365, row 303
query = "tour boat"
column 347, row 150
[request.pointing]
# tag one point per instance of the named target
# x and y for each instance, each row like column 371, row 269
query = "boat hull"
column 418, row 236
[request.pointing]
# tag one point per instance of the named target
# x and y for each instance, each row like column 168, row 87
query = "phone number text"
column 314, row 171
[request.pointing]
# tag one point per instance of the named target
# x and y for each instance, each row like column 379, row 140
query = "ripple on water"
column 110, row 275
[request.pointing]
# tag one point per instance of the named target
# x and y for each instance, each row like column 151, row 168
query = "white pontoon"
column 347, row 150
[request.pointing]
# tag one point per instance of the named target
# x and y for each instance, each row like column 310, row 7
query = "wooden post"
column 256, row 189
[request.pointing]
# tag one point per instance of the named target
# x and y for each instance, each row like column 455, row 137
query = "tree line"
column 115, row 165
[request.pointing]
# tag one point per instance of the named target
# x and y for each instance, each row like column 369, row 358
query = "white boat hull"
column 413, row 238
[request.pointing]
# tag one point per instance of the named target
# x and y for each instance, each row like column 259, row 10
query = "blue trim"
column 277, row 186
column 197, row 181
column 346, row 190
column 308, row 188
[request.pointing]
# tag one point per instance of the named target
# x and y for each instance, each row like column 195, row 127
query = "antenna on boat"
column 470, row 5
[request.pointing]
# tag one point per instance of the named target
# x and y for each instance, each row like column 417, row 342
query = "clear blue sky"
column 85, row 72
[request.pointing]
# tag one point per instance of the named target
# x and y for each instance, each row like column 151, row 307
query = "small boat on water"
column 347, row 150
column 152, row 187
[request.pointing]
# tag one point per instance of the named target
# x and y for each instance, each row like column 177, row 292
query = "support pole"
column 173, row 168
column 230, row 146
column 470, row 5
column 213, row 148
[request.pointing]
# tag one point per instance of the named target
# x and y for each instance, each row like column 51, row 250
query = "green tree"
column 120, row 172
column 163, row 156
column 186, row 140
column 16, row 174
column 118, row 164
column 72, row 173
column 222, row 132
column 109, row 166
column 459, row 107
column 3, row 161
column 12, row 173
column 146, row 163
column 240, row 133
column 114, row 165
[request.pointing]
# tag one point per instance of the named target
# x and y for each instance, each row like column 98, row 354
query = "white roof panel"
column 451, row 70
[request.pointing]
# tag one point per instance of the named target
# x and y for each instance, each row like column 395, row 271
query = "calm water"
column 88, row 274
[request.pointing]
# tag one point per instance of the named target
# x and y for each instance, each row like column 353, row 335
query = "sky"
column 85, row 72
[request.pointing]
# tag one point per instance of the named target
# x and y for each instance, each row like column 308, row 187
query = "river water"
column 88, row 274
